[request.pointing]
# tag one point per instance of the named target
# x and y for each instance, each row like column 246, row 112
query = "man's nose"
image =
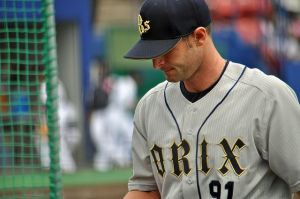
column 158, row 62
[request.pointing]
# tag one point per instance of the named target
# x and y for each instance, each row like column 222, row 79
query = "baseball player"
column 214, row 129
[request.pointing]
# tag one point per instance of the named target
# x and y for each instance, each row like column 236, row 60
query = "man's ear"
column 200, row 36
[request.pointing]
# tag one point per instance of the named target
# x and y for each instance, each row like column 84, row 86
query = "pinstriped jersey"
column 241, row 140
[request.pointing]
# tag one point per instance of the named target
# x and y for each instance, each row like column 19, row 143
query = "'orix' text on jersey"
column 180, row 157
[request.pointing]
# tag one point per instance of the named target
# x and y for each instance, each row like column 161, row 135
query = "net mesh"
column 28, row 107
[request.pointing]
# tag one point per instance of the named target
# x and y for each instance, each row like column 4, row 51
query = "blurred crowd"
column 112, row 102
column 267, row 30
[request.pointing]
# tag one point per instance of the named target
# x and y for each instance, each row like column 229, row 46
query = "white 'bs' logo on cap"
column 143, row 27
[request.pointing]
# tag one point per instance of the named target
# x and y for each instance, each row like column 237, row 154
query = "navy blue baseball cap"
column 162, row 23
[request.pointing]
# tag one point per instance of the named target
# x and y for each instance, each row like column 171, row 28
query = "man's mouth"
column 167, row 70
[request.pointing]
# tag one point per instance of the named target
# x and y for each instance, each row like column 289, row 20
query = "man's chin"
column 171, row 79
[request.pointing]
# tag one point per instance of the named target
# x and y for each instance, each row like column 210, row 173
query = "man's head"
column 184, row 60
column 162, row 24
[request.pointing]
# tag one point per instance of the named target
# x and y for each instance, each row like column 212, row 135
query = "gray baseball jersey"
column 241, row 140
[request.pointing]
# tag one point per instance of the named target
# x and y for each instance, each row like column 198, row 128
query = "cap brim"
column 149, row 49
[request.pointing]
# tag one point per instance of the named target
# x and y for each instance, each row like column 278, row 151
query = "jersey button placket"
column 192, row 110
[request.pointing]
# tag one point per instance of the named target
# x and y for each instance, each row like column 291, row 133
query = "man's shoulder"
column 269, row 85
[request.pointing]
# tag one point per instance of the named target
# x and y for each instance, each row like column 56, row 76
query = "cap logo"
column 143, row 27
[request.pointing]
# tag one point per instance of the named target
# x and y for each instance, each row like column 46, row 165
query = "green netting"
column 29, row 163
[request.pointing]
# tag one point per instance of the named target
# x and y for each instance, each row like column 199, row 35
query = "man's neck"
column 207, row 75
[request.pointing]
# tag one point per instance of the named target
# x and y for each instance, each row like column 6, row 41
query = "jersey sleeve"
column 142, row 178
column 282, row 122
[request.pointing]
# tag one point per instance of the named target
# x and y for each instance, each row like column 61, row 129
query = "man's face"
column 181, row 62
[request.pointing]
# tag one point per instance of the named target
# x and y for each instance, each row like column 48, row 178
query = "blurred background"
column 101, row 88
